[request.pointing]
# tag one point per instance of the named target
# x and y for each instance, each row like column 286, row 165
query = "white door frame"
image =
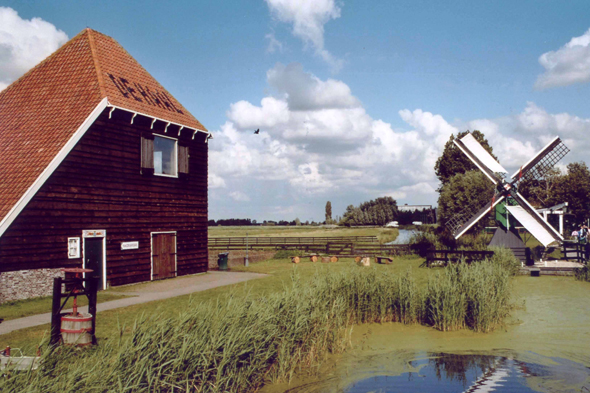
column 152, row 252
column 96, row 233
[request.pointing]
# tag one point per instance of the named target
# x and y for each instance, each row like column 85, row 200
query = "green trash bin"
column 222, row 260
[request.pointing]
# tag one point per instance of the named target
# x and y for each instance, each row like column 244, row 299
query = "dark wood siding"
column 100, row 185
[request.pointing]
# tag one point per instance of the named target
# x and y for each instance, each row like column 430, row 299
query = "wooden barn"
column 100, row 167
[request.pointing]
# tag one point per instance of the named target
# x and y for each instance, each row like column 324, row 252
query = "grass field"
column 383, row 234
column 243, row 340
column 111, row 323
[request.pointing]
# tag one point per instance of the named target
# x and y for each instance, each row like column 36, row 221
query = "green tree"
column 471, row 190
column 453, row 161
column 328, row 212
column 574, row 188
column 541, row 192
column 375, row 212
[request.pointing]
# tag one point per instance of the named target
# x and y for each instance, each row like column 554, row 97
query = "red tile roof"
column 41, row 111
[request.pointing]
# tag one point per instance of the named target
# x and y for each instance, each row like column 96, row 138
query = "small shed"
column 100, row 167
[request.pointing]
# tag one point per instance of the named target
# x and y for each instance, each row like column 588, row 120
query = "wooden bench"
column 384, row 260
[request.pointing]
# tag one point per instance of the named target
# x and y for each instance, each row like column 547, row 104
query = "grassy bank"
column 237, row 343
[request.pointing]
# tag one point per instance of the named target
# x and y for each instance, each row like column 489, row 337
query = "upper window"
column 165, row 156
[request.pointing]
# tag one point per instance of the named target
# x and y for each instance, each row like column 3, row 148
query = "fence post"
column 55, row 314
column 92, row 291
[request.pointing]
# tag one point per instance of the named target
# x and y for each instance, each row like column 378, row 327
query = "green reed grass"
column 236, row 344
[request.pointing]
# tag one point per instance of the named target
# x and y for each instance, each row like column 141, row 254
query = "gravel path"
column 144, row 293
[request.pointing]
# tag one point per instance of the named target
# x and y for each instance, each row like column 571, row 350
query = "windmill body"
column 507, row 199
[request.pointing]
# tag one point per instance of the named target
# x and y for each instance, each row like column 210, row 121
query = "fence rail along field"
column 344, row 245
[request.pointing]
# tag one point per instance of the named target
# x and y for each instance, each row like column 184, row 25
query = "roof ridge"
column 45, row 60
column 96, row 62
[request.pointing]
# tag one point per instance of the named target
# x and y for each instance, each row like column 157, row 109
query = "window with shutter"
column 147, row 155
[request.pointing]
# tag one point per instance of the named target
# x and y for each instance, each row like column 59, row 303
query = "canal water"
column 403, row 237
column 544, row 347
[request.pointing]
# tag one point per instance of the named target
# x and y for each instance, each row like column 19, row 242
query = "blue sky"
column 354, row 99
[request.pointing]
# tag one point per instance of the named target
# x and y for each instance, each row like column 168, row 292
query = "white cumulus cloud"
column 24, row 43
column 316, row 140
column 332, row 149
column 304, row 91
column 568, row 65
column 308, row 18
column 239, row 196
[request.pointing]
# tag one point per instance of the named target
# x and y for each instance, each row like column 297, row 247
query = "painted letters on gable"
column 142, row 93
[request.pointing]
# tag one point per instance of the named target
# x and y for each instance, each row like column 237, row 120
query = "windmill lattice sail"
column 542, row 162
column 463, row 221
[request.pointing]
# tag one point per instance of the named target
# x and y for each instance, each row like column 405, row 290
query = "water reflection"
column 444, row 373
column 467, row 373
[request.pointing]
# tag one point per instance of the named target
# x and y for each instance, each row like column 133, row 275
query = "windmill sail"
column 533, row 222
column 460, row 223
column 480, row 157
column 542, row 162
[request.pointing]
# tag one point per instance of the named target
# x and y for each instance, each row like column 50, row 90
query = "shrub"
column 582, row 273
column 423, row 241
column 504, row 257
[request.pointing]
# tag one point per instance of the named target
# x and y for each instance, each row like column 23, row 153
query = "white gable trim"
column 167, row 122
column 57, row 160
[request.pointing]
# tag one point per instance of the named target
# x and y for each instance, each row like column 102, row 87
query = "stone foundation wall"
column 25, row 284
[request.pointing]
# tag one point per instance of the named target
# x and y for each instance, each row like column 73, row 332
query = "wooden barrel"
column 325, row 259
column 295, row 259
column 314, row 258
column 333, row 258
column 75, row 329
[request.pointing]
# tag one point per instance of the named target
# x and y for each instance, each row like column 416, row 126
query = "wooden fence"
column 231, row 242
column 574, row 251
column 342, row 246
column 443, row 257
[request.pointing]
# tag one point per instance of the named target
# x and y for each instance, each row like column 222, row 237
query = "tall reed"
column 236, row 344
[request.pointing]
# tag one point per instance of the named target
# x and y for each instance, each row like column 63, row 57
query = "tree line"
column 382, row 211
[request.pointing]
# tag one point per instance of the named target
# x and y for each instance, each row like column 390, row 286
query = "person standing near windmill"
column 583, row 234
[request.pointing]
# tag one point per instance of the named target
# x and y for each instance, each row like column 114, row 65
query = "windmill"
column 507, row 200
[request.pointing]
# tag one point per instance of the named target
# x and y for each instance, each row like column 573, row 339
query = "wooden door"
column 163, row 255
column 93, row 257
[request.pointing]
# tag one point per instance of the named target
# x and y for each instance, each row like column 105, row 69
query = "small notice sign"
column 129, row 245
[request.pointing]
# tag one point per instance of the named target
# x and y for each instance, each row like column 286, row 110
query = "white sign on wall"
column 129, row 245
column 73, row 247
